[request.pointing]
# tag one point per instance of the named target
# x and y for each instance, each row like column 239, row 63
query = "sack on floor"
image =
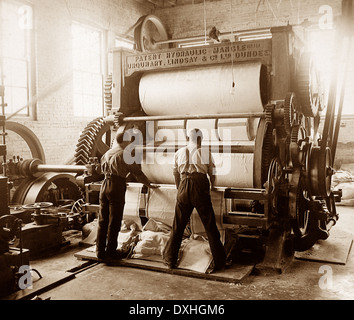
column 195, row 255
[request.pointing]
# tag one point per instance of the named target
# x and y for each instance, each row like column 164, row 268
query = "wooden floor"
column 233, row 274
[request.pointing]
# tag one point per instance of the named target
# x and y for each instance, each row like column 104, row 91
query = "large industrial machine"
column 274, row 176
column 260, row 103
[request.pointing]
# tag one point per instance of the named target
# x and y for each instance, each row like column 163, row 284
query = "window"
column 88, row 75
column 15, row 56
column 251, row 36
column 194, row 44
column 124, row 43
column 325, row 52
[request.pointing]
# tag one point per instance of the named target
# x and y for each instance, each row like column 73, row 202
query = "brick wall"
column 56, row 127
column 188, row 20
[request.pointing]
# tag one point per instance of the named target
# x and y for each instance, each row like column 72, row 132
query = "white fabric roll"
column 232, row 170
column 206, row 90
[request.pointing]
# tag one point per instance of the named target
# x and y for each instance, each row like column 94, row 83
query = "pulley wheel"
column 148, row 33
column 320, row 172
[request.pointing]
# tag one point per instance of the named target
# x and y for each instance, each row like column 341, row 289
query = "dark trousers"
column 194, row 192
column 112, row 201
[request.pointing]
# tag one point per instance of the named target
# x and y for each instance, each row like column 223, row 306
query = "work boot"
column 114, row 256
column 169, row 265
column 101, row 255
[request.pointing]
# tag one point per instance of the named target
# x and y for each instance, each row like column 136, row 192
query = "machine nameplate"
column 196, row 56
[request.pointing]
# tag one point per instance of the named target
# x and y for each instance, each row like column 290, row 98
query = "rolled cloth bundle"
column 218, row 89
column 221, row 89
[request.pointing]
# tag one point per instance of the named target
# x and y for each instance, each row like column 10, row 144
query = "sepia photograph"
column 176, row 156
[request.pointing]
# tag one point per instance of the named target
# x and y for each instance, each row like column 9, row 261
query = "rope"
column 205, row 24
column 232, row 55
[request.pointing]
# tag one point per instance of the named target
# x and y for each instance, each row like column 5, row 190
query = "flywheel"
column 50, row 187
column 33, row 143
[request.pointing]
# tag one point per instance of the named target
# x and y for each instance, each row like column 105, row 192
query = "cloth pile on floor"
column 149, row 243
column 195, row 254
column 344, row 180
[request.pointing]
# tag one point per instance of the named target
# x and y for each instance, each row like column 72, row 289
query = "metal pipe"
column 331, row 224
column 60, row 168
column 222, row 148
column 195, row 117
column 201, row 38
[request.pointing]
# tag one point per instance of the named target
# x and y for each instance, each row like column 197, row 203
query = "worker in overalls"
column 192, row 166
column 112, row 198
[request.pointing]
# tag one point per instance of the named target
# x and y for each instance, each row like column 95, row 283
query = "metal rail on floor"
column 33, row 294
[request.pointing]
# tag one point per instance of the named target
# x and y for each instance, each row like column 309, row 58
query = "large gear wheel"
column 108, row 93
column 94, row 141
column 310, row 91
column 289, row 112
